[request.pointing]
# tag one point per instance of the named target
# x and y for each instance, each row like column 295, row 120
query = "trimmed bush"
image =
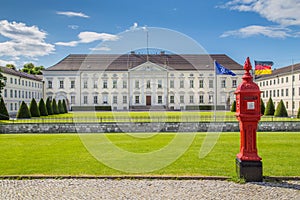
column 280, row 110
column 23, row 112
column 3, row 111
column 55, row 107
column 49, row 106
column 262, row 107
column 60, row 107
column 42, row 108
column 65, row 106
column 298, row 114
column 270, row 109
column 33, row 108
column 233, row 106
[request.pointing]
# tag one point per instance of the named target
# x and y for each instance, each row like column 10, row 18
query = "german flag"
column 263, row 67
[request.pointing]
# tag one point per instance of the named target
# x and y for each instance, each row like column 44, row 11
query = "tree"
column 65, row 106
column 43, row 108
column 49, row 106
column 262, row 107
column 23, row 112
column 11, row 66
column 2, row 82
column 280, row 110
column 29, row 68
column 270, row 109
column 3, row 111
column 61, row 109
column 233, row 106
column 55, row 107
column 34, row 110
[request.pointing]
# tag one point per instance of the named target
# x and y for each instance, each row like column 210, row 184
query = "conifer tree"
column 262, row 107
column 33, row 108
column 23, row 112
column 270, row 109
column 3, row 111
column 55, row 107
column 280, row 110
column 65, row 106
column 60, row 107
column 49, row 106
column 42, row 108
column 233, row 106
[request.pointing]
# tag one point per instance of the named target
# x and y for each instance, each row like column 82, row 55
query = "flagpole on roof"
column 215, row 95
column 292, row 87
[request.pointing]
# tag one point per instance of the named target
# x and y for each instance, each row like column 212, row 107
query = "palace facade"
column 138, row 81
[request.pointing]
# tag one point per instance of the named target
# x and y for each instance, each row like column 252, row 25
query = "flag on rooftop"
column 220, row 69
column 263, row 67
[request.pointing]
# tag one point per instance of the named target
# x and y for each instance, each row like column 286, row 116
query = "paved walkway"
column 145, row 189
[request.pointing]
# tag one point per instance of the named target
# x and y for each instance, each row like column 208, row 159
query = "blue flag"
column 222, row 70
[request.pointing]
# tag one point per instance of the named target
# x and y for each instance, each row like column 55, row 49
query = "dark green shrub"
column 65, row 106
column 60, row 107
column 262, row 107
column 298, row 114
column 23, row 112
column 270, row 109
column 3, row 111
column 55, row 107
column 42, row 108
column 233, row 106
column 280, row 110
column 49, row 106
column 33, row 108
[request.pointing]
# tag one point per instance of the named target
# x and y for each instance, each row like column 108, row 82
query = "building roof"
column 7, row 70
column 280, row 71
column 117, row 62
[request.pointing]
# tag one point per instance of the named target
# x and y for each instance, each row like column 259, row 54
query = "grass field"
column 64, row 154
column 153, row 116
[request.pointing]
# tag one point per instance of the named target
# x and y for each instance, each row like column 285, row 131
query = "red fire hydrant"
column 248, row 163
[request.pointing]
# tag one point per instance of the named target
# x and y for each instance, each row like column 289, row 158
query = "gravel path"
column 145, row 189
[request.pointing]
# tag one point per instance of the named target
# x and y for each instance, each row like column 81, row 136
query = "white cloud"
column 23, row 40
column 100, row 49
column 5, row 62
column 135, row 27
column 74, row 27
column 88, row 37
column 283, row 12
column 72, row 14
column 254, row 30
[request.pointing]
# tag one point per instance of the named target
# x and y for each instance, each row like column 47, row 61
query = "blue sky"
column 45, row 31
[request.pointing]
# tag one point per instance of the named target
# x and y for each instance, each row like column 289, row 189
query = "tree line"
column 34, row 109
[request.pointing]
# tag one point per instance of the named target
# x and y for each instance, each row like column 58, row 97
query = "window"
column 124, row 84
column 267, row 93
column 293, row 91
column 85, row 99
column 115, row 99
column 72, row 99
column 282, row 92
column 5, row 93
column 282, row 79
column 72, row 84
column 211, row 84
column 211, row 98
column 171, row 83
column 287, row 92
column 15, row 81
column 270, row 82
column 191, row 99
column 11, row 106
column 95, row 99
column 277, row 93
column 171, row 99
column 234, row 83
column 148, row 85
column 11, row 94
column 181, row 99
column 201, row 100
column 159, row 99
column 16, row 106
column 137, row 84
column 61, row 84
column 29, row 94
column 223, row 83
column 105, row 84
column 85, row 84
column 181, row 84
column 137, row 99
column 11, row 80
column 16, row 94
column 23, row 82
column 29, row 83
column 22, row 94
column 287, row 79
column 200, row 83
column 26, row 83
column 50, row 84
column 159, row 84
column 95, row 84
column 124, row 99
column 191, row 83
column 270, row 93
column 274, row 81
column 105, row 99
column 19, row 94
column 115, row 83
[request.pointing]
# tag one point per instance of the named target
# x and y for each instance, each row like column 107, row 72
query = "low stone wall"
column 143, row 127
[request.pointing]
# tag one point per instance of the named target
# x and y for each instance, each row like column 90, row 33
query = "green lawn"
column 64, row 154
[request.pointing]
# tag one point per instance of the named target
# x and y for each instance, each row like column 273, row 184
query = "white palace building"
column 142, row 82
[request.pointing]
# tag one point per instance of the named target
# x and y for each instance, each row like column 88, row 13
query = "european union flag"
column 222, row 70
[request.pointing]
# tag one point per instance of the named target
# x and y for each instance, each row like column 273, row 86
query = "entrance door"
column 148, row 100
